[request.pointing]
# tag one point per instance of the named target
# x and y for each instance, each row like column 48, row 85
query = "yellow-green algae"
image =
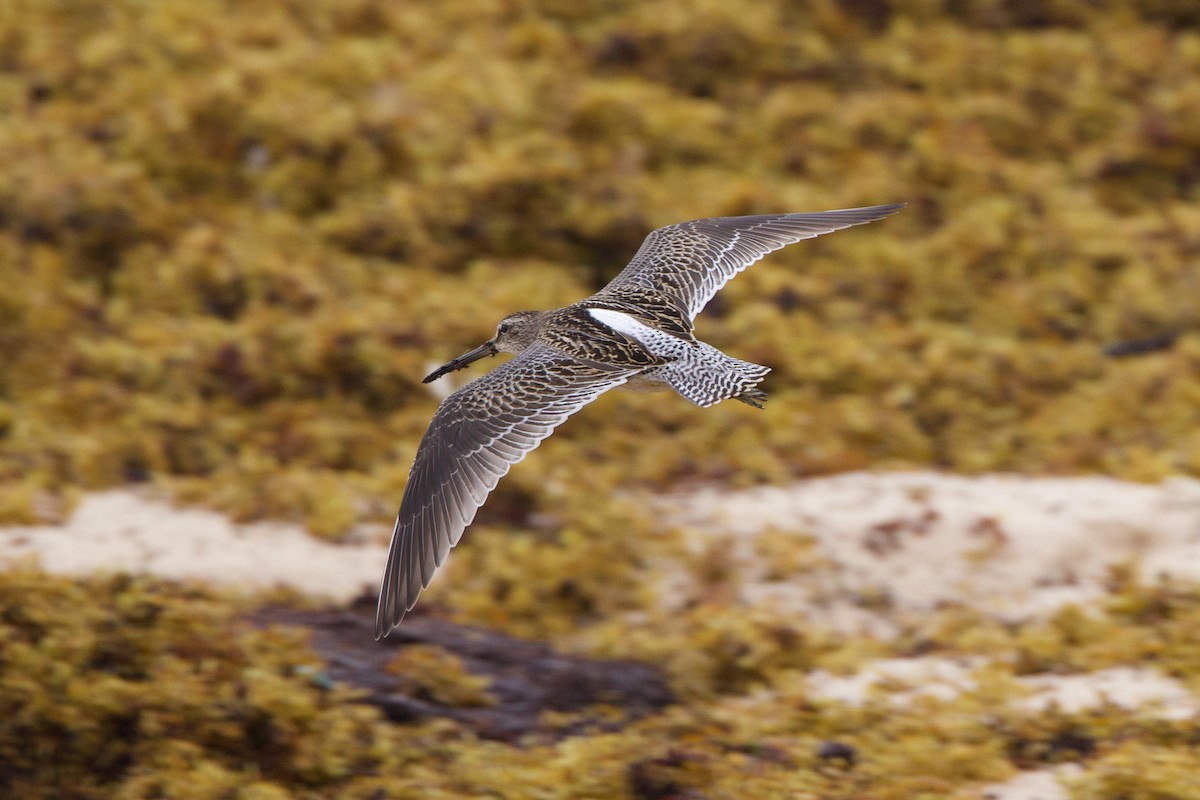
column 234, row 234
column 1140, row 772
column 135, row 688
column 431, row 673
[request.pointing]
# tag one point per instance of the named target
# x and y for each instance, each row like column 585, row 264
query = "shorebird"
column 636, row 331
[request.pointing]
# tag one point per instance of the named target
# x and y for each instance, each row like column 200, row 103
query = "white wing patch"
column 658, row 342
column 621, row 322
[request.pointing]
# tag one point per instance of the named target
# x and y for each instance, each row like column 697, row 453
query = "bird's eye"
column 503, row 328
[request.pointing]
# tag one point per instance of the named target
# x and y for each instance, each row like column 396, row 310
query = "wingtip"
column 859, row 215
column 386, row 616
column 382, row 629
column 386, row 622
column 881, row 211
column 867, row 214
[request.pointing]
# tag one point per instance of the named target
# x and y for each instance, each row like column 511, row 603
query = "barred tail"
column 707, row 376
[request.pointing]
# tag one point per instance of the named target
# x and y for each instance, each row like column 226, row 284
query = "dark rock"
column 527, row 678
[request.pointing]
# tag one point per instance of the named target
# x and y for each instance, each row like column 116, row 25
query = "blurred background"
column 234, row 236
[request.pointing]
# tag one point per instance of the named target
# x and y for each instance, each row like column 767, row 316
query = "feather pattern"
column 477, row 434
column 691, row 261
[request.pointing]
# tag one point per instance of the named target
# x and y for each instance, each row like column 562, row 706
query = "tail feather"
column 708, row 376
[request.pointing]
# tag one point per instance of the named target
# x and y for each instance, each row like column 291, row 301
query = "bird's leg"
column 752, row 397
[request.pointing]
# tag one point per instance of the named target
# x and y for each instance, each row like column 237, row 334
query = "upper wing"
column 691, row 261
column 477, row 433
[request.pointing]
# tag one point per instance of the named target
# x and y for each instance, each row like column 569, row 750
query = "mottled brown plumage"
column 655, row 308
column 573, row 330
column 637, row 330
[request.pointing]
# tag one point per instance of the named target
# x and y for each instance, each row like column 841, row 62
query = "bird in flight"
column 636, row 331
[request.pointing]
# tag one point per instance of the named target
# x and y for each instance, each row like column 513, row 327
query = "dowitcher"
column 637, row 331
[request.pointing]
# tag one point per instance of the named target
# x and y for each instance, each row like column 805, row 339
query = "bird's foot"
column 752, row 397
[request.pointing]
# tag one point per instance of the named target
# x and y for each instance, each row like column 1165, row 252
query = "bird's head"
column 514, row 333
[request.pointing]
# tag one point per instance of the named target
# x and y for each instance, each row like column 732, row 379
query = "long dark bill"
column 488, row 348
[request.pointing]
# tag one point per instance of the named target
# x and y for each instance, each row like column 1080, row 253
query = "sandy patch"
column 1128, row 687
column 1010, row 545
column 908, row 678
column 896, row 541
column 129, row 531
column 905, row 679
column 1035, row 785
